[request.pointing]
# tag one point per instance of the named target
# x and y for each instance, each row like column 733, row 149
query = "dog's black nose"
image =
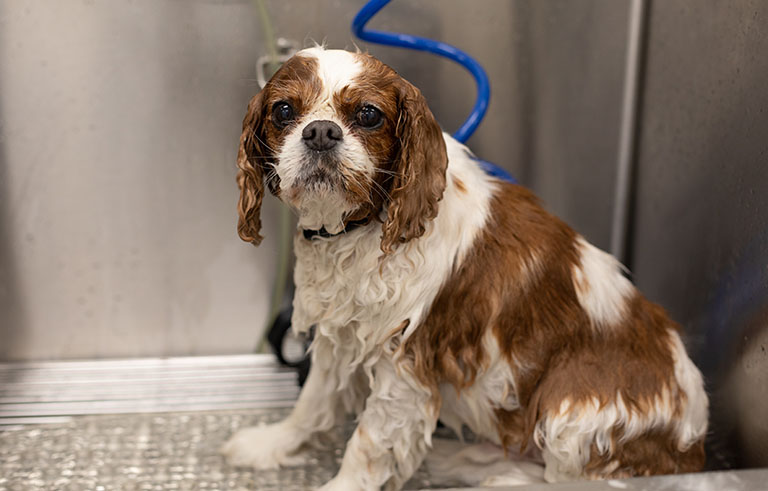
column 322, row 135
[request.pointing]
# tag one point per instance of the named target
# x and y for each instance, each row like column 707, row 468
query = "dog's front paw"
column 264, row 447
column 338, row 483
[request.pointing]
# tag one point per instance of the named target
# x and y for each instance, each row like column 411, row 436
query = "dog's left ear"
column 250, row 174
column 420, row 166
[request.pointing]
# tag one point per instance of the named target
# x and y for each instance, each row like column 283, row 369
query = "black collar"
column 348, row 227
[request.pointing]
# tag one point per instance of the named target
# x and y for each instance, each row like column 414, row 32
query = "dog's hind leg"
column 453, row 463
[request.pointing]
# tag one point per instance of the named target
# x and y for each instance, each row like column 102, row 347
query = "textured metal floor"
column 151, row 424
column 151, row 452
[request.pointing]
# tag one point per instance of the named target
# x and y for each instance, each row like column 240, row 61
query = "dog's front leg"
column 276, row 445
column 393, row 434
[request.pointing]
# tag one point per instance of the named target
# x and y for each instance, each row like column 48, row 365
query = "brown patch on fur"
column 654, row 452
column 399, row 330
column 637, row 353
column 376, row 86
column 582, row 285
column 295, row 82
column 250, row 177
column 395, row 335
column 516, row 283
column 408, row 150
column 511, row 427
column 485, row 292
column 459, row 185
column 365, row 443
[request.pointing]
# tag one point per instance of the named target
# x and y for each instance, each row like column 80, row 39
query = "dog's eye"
column 369, row 117
column 282, row 113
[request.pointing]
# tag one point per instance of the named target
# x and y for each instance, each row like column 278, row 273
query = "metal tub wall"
column 700, row 229
column 120, row 123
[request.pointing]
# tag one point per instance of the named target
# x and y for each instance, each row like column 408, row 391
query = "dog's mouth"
column 320, row 172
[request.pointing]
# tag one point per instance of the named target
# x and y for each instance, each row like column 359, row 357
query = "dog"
column 438, row 292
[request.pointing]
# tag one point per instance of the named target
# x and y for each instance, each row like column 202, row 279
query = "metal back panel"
column 120, row 123
column 701, row 220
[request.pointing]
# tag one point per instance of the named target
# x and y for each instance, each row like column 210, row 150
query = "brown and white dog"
column 439, row 292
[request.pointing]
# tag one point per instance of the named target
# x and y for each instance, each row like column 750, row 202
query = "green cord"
column 281, row 277
column 269, row 34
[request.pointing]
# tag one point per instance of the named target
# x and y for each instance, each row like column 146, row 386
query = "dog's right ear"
column 250, row 174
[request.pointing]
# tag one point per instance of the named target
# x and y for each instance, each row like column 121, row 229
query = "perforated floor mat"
column 168, row 451
column 147, row 424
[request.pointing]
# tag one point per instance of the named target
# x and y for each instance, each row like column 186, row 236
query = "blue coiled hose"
column 446, row 50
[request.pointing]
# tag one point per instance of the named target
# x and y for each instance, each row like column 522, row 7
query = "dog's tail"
column 452, row 463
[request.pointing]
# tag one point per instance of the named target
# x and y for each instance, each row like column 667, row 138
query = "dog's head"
column 340, row 137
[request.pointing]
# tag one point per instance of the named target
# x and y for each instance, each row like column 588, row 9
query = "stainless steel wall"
column 118, row 129
column 700, row 231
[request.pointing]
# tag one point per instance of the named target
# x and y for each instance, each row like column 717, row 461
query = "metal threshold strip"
column 47, row 392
